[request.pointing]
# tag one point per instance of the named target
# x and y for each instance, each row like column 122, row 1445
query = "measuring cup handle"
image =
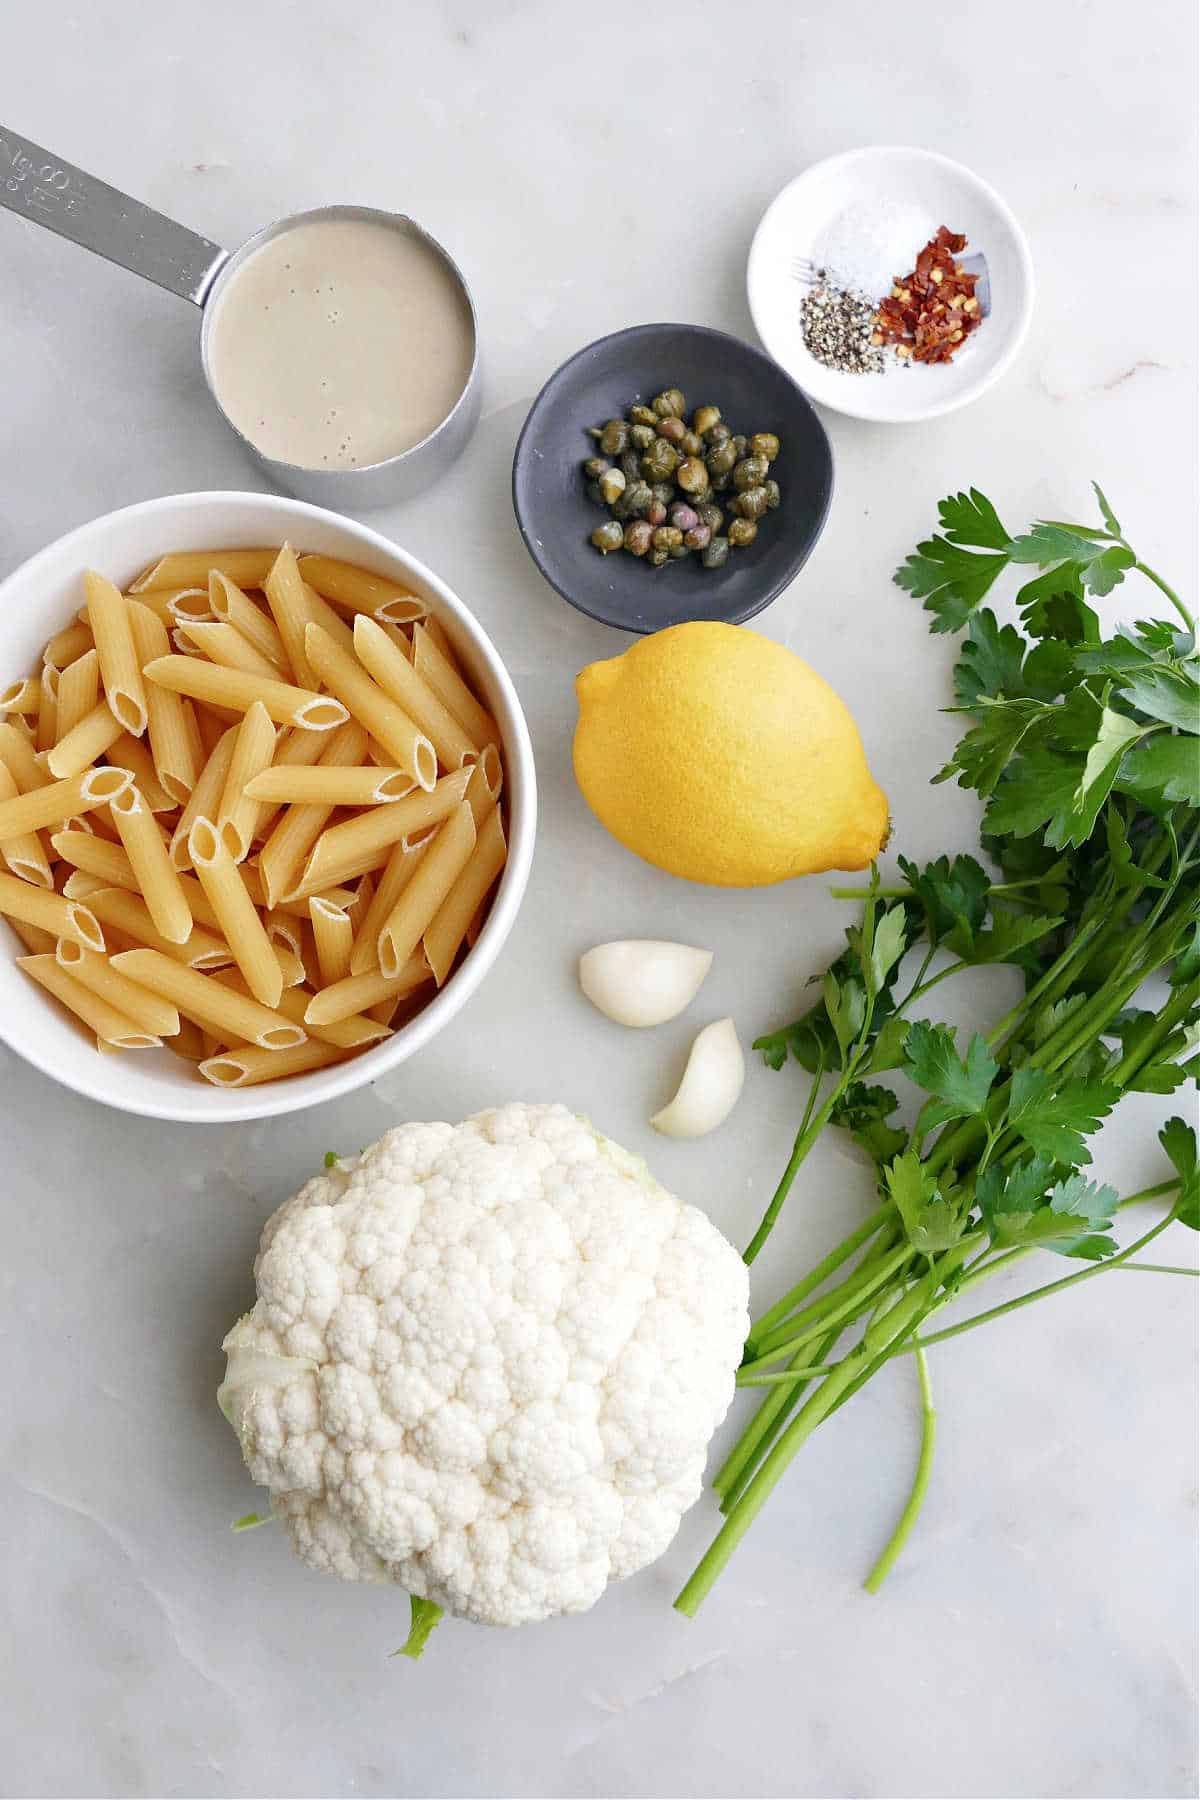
column 59, row 196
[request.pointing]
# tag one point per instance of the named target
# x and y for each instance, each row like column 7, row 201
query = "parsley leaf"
column 846, row 1005
column 1101, row 566
column 423, row 1616
column 1056, row 1121
column 931, row 1222
column 889, row 941
column 1106, row 511
column 991, row 660
column 971, row 518
column 1017, row 1210
column 1037, row 789
column 951, row 581
column 1053, row 607
column 953, row 895
column 1008, row 935
column 1179, row 1141
column 863, row 1110
column 1169, row 694
column 958, row 1089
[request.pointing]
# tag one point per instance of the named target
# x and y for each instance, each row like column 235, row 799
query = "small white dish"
column 876, row 199
column 42, row 596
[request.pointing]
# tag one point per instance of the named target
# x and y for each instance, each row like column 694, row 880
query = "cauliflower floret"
column 485, row 1363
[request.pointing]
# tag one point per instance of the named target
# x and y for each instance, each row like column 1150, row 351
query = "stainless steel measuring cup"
column 41, row 187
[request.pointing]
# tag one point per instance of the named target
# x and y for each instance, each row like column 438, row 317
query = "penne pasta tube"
column 94, row 856
column 249, row 1064
column 50, row 912
column 333, row 936
column 24, row 696
column 241, row 926
column 437, row 670
column 188, row 1042
column 479, row 795
column 348, row 850
column 437, row 631
column 191, row 568
column 23, row 852
column 205, row 797
column 130, row 753
column 356, row 590
column 293, row 750
column 345, row 676
column 81, row 886
column 444, row 935
column 399, row 870
column 128, row 913
column 211, row 723
column 295, row 607
column 297, row 910
column 92, row 737
column 35, row 940
column 360, row 991
column 225, row 645
column 369, row 786
column 171, row 724
column 237, row 813
column 215, row 1007
column 230, row 606
column 120, row 671
column 20, row 759
column 233, row 688
column 439, row 869
column 291, row 965
column 157, row 878
column 183, row 606
column 98, row 1014
column 78, row 691
column 69, row 645
column 149, row 1012
column 401, row 682
column 45, row 734
column 351, row 1033
column 57, row 801
column 282, row 856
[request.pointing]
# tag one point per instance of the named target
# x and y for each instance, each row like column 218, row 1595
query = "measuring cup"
column 53, row 193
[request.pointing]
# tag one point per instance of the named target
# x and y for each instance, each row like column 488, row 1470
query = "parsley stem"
column 920, row 1486
column 736, row 1472
column 1157, row 1269
column 821, row 1272
column 1172, row 596
column 806, row 1137
column 784, row 1341
column 802, row 1372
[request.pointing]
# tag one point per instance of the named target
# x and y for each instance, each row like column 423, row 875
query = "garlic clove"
column 710, row 1087
column 642, row 981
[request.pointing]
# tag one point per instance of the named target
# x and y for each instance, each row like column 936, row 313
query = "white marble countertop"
column 1038, row 1637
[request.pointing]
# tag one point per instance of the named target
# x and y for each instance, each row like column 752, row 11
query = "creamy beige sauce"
column 340, row 343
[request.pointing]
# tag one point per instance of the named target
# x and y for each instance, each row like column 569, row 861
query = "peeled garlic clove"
column 710, row 1087
column 642, row 981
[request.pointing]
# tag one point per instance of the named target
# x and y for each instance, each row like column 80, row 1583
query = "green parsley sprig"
column 1085, row 752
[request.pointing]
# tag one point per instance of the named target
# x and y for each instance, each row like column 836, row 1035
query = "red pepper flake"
column 932, row 311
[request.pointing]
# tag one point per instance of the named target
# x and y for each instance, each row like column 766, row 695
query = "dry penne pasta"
column 438, row 671
column 188, row 1042
column 282, row 856
column 417, row 906
column 156, row 876
column 293, row 750
column 24, row 696
column 171, row 724
column 20, row 759
column 230, row 606
column 120, row 671
column 225, row 645
column 149, row 1012
column 235, row 689
column 333, row 936
column 445, row 934
column 398, row 871
column 237, row 813
column 400, row 681
column 80, row 886
column 357, row 992
column 479, row 795
column 68, row 645
column 23, row 851
column 345, row 676
column 78, row 691
column 233, row 1017
column 128, row 914
column 288, row 601
column 283, row 929
column 352, row 1033
column 57, row 801
column 35, row 940
column 185, row 606
column 130, row 753
column 94, row 734
column 241, row 926
column 211, row 723
column 45, row 726
column 437, row 631
column 191, row 568
column 349, row 849
column 356, row 590
column 50, row 912
column 98, row 1014
column 250, row 1064
column 205, row 797
column 294, row 785
column 94, row 856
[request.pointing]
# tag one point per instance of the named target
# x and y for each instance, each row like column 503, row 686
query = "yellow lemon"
column 720, row 756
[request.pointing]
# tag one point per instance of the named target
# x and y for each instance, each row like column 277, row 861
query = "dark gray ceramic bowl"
column 556, row 517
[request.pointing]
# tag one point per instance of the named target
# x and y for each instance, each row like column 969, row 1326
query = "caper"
column 643, row 415
column 638, row 534
column 656, row 513
column 692, row 444
column 750, row 504
column 705, row 417
column 698, row 537
column 739, row 444
column 765, row 443
column 664, row 492
column 670, row 404
column 683, row 515
column 608, row 537
column 642, row 436
column 692, row 475
column 630, row 465
column 595, row 431
column 711, row 515
column 674, row 430
column 660, row 461
column 750, row 472
column 771, row 489
column 715, row 553
column 721, row 460
column 612, row 485
column 742, row 532
column 717, row 434
column 658, row 557
column 721, row 482
column 615, row 437
column 667, row 536
column 637, row 499
column 596, row 466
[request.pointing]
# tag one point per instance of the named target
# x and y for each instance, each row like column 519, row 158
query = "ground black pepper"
column 837, row 326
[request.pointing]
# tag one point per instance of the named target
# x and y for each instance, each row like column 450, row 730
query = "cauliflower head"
column 485, row 1363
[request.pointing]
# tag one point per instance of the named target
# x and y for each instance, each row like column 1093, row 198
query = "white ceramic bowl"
column 43, row 595
column 896, row 195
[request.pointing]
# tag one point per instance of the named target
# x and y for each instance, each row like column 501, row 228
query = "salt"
column 865, row 247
